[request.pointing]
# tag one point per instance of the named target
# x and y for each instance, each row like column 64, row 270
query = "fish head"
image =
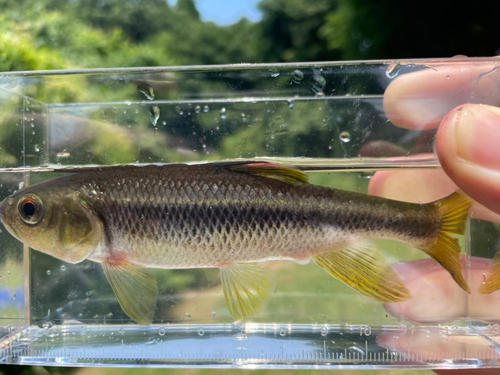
column 54, row 219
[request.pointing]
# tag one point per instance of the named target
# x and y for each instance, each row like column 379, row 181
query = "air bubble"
column 214, row 314
column 345, row 136
column 283, row 331
column 161, row 332
column 206, row 108
column 201, row 331
column 187, row 315
column 298, row 76
column 290, row 104
column 223, row 113
column 37, row 149
column 63, row 268
column 49, row 272
column 14, row 295
column 393, row 69
column 197, row 109
column 146, row 90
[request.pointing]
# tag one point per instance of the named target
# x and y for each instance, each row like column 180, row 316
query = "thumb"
column 468, row 147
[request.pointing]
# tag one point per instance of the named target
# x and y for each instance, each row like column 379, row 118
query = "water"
column 327, row 120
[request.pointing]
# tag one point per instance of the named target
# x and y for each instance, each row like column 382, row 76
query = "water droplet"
column 290, row 104
column 164, row 123
column 201, row 331
column 187, row 315
column 161, row 332
column 154, row 114
column 447, row 77
column 14, row 295
column 37, row 149
column 324, row 331
column 319, row 84
column 146, row 90
column 471, row 95
column 393, row 69
column 214, row 314
column 223, row 113
column 197, row 109
column 63, row 268
column 48, row 272
column 298, row 76
column 345, row 136
column 32, row 125
column 206, row 108
column 274, row 73
column 240, row 336
column 329, row 147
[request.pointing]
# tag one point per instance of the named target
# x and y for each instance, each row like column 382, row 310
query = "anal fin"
column 246, row 286
column 363, row 269
column 135, row 288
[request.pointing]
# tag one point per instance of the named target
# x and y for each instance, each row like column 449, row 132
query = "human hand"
column 458, row 100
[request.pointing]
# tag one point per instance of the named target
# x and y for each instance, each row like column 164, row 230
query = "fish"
column 231, row 216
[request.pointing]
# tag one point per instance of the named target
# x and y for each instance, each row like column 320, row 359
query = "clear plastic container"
column 325, row 118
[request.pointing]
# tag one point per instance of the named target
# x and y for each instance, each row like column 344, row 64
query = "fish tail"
column 446, row 249
column 492, row 281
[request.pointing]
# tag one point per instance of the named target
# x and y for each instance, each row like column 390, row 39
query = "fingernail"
column 477, row 133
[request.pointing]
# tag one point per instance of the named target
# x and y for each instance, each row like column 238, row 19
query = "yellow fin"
column 246, row 287
column 360, row 267
column 135, row 288
column 492, row 282
column 446, row 250
column 270, row 170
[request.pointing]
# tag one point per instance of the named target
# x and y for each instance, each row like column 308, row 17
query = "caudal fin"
column 492, row 282
column 446, row 250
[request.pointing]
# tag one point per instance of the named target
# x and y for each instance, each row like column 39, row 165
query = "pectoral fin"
column 364, row 270
column 246, row 287
column 135, row 287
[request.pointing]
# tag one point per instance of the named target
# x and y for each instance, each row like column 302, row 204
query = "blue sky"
column 226, row 12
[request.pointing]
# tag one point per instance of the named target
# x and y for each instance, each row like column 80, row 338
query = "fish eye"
column 30, row 209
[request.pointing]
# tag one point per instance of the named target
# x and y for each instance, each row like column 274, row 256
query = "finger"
column 420, row 100
column 467, row 144
column 438, row 299
column 421, row 186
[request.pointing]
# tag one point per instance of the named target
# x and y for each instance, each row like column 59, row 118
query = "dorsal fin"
column 271, row 170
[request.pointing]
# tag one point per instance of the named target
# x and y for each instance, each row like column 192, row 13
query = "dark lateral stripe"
column 160, row 220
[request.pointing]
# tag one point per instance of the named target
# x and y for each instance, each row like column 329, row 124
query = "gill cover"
column 77, row 229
